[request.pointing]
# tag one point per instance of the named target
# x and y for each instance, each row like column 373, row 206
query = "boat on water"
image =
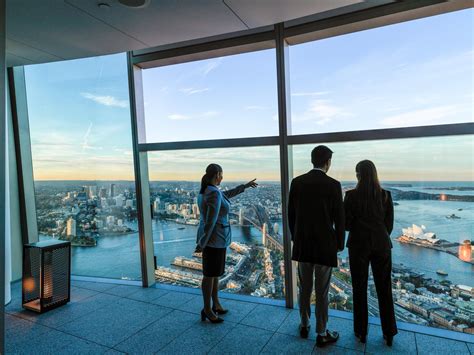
column 453, row 216
column 181, row 228
column 442, row 272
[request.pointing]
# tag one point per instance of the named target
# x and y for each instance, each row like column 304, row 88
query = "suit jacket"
column 368, row 232
column 316, row 218
column 214, row 227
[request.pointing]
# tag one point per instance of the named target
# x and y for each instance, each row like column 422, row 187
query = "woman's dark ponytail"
column 211, row 171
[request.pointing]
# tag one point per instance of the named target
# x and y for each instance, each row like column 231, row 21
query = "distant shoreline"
column 451, row 248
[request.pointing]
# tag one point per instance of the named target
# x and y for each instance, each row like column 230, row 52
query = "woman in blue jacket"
column 214, row 236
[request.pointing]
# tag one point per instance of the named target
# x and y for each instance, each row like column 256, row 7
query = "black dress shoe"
column 219, row 311
column 204, row 316
column 388, row 339
column 323, row 340
column 304, row 331
column 362, row 338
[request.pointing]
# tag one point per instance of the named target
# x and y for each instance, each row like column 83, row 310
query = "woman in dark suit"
column 369, row 220
column 214, row 236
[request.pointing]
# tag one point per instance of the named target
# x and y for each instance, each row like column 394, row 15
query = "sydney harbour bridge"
column 257, row 216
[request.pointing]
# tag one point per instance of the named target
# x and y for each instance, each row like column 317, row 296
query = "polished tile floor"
column 109, row 318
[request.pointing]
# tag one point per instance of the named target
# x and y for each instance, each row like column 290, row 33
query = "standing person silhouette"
column 214, row 236
column 369, row 220
column 316, row 221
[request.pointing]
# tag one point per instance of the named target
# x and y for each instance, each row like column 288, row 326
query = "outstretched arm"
column 234, row 192
column 239, row 189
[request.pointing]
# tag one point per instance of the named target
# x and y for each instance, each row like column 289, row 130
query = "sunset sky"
column 410, row 74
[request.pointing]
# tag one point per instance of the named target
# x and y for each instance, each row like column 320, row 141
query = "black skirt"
column 213, row 261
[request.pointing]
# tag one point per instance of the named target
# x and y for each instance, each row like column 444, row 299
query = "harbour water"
column 118, row 256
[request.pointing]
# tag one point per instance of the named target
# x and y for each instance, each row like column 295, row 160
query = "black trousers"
column 381, row 263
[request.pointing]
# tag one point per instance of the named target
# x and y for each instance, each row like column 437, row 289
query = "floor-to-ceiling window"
column 212, row 99
column 81, row 144
column 417, row 73
column 255, row 259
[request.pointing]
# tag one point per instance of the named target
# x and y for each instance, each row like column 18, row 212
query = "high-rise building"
column 103, row 202
column 157, row 205
column 103, row 192
column 92, row 191
column 241, row 216
column 196, row 210
column 119, row 201
column 71, row 227
column 112, row 190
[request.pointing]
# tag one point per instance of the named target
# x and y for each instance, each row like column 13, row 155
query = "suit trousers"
column 322, row 278
column 381, row 263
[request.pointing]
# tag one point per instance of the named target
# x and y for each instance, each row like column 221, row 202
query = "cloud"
column 208, row 114
column 210, row 66
column 421, row 116
column 320, row 111
column 192, row 91
column 311, row 93
column 180, row 117
column 106, row 100
column 255, row 108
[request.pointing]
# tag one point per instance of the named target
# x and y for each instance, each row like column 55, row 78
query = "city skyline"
column 103, row 218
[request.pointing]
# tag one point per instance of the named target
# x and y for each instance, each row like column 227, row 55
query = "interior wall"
column 2, row 170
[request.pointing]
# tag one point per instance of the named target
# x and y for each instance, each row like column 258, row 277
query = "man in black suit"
column 316, row 221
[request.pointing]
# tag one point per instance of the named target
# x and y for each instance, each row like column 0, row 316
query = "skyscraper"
column 71, row 227
column 112, row 190
column 157, row 205
column 103, row 192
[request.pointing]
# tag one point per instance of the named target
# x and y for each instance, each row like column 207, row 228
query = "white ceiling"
column 48, row 30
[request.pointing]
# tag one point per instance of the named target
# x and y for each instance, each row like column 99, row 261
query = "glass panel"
column 414, row 73
column 432, row 185
column 82, row 161
column 227, row 97
column 255, row 259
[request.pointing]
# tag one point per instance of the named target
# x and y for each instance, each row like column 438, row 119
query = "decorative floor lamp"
column 46, row 275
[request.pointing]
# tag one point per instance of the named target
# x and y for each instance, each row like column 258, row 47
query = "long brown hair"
column 368, row 188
